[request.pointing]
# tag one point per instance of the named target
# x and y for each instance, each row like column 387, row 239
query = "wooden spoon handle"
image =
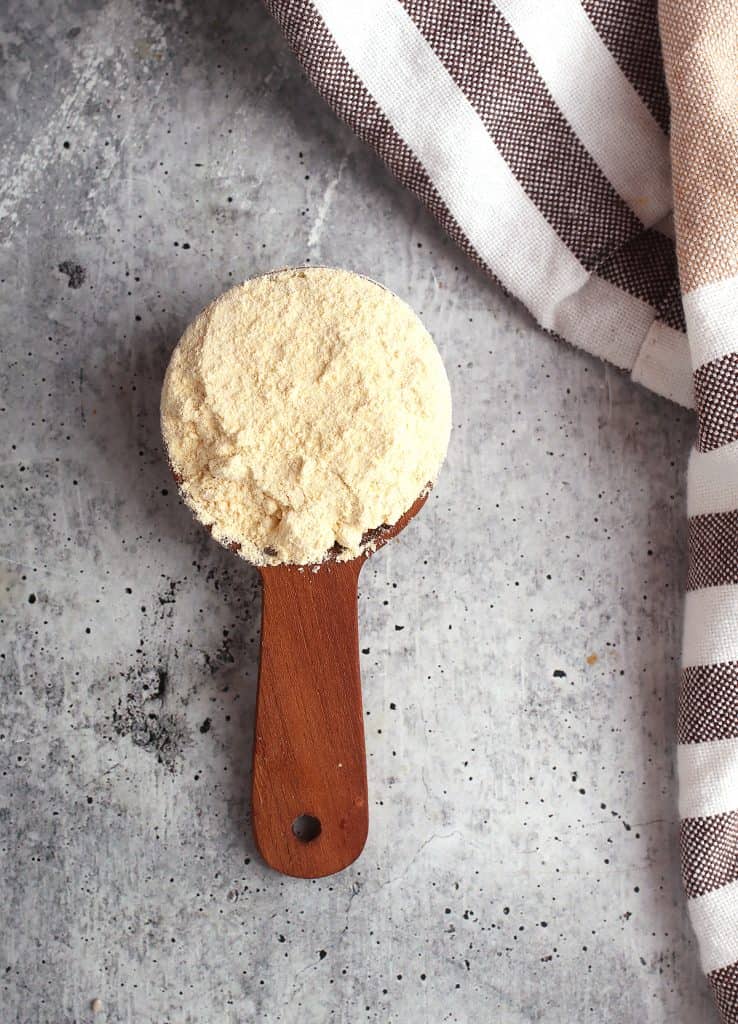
column 309, row 794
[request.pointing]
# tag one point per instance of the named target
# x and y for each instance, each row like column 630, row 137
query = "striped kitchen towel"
column 700, row 40
column 537, row 133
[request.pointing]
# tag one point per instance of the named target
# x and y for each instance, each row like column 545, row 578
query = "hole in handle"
column 305, row 827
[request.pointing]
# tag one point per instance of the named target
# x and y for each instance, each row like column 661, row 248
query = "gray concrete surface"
column 521, row 638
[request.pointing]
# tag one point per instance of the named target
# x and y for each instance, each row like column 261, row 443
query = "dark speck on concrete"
column 74, row 271
column 154, row 731
column 559, row 673
column 141, row 716
column 322, row 954
column 158, row 684
column 169, row 596
column 221, row 658
column 205, row 727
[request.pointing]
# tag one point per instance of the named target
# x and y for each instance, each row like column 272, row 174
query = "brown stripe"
column 488, row 62
column 708, row 703
column 646, row 266
column 709, row 852
column 716, row 401
column 713, row 550
column 724, row 985
column 671, row 309
column 630, row 31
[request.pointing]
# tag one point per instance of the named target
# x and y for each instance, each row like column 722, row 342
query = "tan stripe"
column 724, row 985
column 700, row 42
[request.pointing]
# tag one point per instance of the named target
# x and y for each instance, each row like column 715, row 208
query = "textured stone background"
column 523, row 635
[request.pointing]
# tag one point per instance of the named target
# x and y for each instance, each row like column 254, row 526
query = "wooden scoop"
column 309, row 795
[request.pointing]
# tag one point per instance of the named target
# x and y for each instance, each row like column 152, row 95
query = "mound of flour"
column 301, row 410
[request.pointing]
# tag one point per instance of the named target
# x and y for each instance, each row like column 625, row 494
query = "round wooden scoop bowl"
column 310, row 813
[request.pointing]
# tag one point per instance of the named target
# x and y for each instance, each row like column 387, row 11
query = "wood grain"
column 309, row 757
column 309, row 747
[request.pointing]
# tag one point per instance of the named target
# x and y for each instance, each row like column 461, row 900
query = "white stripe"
column 432, row 115
column 708, row 778
column 614, row 325
column 597, row 100
column 710, row 626
column 664, row 364
column 712, row 480
column 604, row 320
column 714, row 918
column 429, row 111
column 711, row 312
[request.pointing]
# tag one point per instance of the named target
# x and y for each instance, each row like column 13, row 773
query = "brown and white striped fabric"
column 534, row 131
column 537, row 133
column 700, row 39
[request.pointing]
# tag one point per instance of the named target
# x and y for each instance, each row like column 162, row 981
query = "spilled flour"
column 303, row 409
